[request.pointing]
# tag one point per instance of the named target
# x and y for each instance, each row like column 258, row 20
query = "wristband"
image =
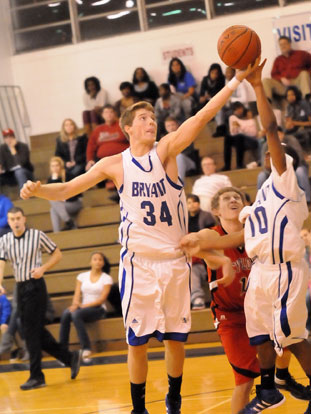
column 233, row 84
column 213, row 285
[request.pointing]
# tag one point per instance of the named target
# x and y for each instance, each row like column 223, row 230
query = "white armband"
column 233, row 83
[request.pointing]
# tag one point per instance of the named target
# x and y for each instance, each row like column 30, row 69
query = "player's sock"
column 267, row 378
column 282, row 373
column 174, row 386
column 138, row 397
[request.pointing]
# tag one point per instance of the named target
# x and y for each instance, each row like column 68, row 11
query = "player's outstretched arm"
column 268, row 120
column 176, row 142
column 214, row 260
column 61, row 191
column 196, row 244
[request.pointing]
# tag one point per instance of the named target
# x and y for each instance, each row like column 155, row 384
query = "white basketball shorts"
column 155, row 297
column 275, row 304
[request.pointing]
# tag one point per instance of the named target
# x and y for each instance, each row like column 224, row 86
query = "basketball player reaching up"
column 154, row 275
column 274, row 304
column 228, row 299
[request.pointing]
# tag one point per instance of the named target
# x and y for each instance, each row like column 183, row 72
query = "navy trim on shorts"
column 259, row 339
column 245, row 372
column 142, row 340
column 130, row 298
column 283, row 317
column 123, row 276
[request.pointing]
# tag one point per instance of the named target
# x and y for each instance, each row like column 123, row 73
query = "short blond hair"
column 60, row 162
column 128, row 115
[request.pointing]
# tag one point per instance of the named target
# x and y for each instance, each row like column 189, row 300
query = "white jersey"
column 272, row 230
column 153, row 208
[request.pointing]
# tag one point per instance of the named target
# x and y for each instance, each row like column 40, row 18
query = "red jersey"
column 231, row 298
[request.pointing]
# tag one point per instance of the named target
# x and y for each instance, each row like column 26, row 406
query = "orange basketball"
column 238, row 46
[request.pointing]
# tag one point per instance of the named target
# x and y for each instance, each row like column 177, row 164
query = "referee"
column 22, row 247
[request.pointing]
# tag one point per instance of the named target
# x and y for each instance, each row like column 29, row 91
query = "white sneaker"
column 198, row 304
column 85, row 356
column 252, row 165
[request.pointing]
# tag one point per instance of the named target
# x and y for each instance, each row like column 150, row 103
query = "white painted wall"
column 52, row 80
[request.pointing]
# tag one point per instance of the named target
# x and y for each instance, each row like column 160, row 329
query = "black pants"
column 241, row 143
column 32, row 303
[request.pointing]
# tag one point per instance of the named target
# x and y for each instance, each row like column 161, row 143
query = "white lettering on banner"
column 297, row 27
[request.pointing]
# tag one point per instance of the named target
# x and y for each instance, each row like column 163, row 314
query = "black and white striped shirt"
column 25, row 252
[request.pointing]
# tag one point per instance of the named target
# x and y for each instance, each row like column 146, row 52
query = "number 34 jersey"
column 272, row 230
column 153, row 208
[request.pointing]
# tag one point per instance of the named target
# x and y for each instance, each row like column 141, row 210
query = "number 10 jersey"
column 272, row 230
column 153, row 210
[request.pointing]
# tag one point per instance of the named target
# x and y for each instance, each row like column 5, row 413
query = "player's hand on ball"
column 242, row 74
column 29, row 189
column 254, row 78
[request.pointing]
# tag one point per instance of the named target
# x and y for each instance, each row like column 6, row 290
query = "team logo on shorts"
column 184, row 320
column 134, row 320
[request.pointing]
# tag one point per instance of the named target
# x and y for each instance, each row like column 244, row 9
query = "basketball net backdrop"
column 295, row 26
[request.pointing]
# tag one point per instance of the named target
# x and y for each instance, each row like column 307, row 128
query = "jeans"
column 241, row 143
column 184, row 164
column 22, row 175
column 79, row 317
column 63, row 211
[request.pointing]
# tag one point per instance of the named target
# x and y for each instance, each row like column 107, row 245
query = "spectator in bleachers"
column 239, row 95
column 198, row 220
column 209, row 183
column 5, row 205
column 302, row 169
column 211, row 84
column 62, row 211
column 94, row 99
column 184, row 84
column 144, row 88
column 15, row 165
column 107, row 139
column 298, row 117
column 128, row 97
column 71, row 148
column 185, row 160
column 292, row 67
column 88, row 303
column 243, row 132
column 168, row 105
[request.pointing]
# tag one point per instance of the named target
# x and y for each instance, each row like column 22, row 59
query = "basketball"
column 238, row 46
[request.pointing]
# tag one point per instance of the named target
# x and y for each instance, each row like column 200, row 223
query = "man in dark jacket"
column 15, row 165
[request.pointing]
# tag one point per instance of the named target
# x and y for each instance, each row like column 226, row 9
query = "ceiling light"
column 129, row 3
column 100, row 2
column 118, row 15
column 54, row 4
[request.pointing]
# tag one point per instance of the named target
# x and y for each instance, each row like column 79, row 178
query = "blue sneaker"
column 297, row 390
column 308, row 409
column 172, row 407
column 264, row 399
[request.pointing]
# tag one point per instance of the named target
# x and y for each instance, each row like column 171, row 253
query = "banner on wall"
column 183, row 51
column 297, row 27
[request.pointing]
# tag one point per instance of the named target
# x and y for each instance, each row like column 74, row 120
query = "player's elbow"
column 272, row 127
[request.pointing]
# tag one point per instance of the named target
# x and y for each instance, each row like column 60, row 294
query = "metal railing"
column 13, row 113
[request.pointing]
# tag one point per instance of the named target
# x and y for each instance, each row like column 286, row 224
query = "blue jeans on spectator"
column 22, row 175
column 79, row 317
